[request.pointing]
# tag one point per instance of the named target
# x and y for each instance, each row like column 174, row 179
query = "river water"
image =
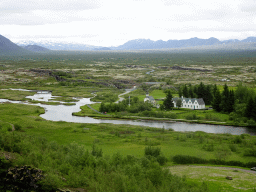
column 64, row 113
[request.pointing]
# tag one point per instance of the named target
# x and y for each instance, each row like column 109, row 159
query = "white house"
column 190, row 103
column 151, row 100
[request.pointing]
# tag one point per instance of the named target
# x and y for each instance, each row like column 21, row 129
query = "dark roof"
column 200, row 101
column 150, row 98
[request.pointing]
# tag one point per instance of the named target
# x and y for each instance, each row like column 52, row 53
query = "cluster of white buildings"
column 189, row 103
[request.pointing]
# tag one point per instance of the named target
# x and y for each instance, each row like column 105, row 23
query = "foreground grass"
column 216, row 177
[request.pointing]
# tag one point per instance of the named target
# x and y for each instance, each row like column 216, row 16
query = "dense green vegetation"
column 132, row 105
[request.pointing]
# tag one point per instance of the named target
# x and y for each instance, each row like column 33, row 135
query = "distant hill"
column 149, row 44
column 193, row 43
column 9, row 48
column 36, row 48
column 102, row 49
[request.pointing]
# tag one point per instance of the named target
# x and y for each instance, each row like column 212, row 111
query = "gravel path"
column 231, row 168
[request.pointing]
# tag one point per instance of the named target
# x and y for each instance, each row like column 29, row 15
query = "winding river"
column 64, row 113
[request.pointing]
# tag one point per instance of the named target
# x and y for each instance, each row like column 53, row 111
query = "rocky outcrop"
column 184, row 68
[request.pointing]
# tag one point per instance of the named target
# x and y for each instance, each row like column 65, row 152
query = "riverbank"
column 93, row 112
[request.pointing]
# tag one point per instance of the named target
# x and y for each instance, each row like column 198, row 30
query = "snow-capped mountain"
column 53, row 45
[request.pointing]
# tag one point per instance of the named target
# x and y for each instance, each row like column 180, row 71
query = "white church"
column 189, row 103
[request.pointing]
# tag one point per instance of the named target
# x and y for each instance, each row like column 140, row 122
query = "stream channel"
column 64, row 113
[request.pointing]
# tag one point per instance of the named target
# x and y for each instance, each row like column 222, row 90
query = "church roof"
column 200, row 100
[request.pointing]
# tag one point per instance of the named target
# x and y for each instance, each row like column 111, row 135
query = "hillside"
column 36, row 48
column 7, row 47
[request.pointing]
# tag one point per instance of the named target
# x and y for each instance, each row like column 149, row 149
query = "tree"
column 225, row 99
column 103, row 108
column 180, row 91
column 249, row 108
column 208, row 95
column 185, row 91
column 191, row 91
column 168, row 103
column 216, row 103
column 231, row 101
column 201, row 91
column 242, row 93
column 254, row 109
column 179, row 103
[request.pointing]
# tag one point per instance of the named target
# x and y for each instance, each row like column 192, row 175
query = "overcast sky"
column 113, row 22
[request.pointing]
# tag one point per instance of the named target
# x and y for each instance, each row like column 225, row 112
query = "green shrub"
column 161, row 159
column 186, row 159
column 208, row 147
column 17, row 127
column 250, row 152
column 251, row 123
column 191, row 117
column 233, row 147
column 237, row 139
column 96, row 151
column 152, row 151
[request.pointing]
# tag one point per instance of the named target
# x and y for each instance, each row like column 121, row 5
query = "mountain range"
column 51, row 45
column 29, row 47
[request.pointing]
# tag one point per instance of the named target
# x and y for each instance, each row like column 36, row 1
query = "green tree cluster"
column 240, row 104
column 134, row 107
column 224, row 101
column 197, row 91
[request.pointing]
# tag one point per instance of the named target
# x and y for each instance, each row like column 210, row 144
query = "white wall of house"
column 189, row 104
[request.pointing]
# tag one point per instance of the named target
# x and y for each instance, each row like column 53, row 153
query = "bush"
column 191, row 117
column 186, row 159
column 161, row 159
column 237, row 139
column 250, row 152
column 233, row 147
column 96, row 152
column 152, row 151
column 251, row 123
column 208, row 147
